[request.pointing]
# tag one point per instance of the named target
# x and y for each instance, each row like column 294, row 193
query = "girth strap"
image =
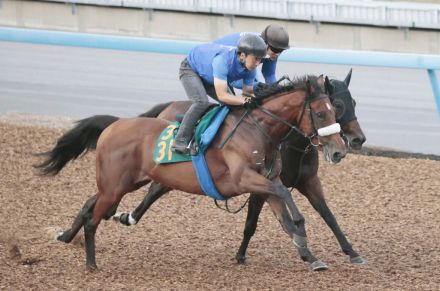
column 231, row 133
column 258, row 125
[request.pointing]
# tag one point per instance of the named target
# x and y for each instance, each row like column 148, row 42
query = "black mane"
column 297, row 83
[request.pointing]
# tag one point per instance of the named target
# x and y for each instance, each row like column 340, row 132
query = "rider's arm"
column 268, row 71
column 221, row 89
column 220, row 72
column 248, row 85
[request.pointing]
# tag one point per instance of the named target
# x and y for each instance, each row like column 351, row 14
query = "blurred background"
column 396, row 107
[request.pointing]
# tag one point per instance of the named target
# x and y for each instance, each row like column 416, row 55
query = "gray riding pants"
column 196, row 90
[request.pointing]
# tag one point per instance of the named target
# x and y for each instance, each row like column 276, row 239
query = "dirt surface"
column 388, row 207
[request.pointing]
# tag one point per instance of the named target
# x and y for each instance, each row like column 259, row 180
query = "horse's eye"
column 339, row 108
column 321, row 116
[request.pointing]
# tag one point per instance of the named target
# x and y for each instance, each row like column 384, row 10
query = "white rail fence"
column 377, row 13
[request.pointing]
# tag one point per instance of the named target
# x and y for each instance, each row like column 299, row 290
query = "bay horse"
column 300, row 165
column 248, row 163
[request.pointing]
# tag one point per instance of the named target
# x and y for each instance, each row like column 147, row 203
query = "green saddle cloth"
column 163, row 153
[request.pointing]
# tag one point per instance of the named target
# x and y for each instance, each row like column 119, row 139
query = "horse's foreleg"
column 156, row 191
column 278, row 207
column 292, row 222
column 255, row 205
column 281, row 191
column 312, row 189
column 85, row 212
column 299, row 233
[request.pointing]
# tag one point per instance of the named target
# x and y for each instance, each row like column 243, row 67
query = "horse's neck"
column 287, row 106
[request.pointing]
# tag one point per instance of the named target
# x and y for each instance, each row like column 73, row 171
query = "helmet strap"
column 242, row 61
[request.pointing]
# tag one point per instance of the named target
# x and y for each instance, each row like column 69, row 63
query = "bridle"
column 321, row 132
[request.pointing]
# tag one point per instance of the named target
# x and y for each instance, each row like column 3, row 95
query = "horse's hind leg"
column 105, row 204
column 255, row 205
column 85, row 212
column 156, row 191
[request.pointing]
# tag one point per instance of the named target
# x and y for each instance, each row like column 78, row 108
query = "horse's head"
column 306, row 104
column 322, row 120
column 344, row 106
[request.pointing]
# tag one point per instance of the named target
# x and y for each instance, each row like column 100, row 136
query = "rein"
column 226, row 208
column 291, row 126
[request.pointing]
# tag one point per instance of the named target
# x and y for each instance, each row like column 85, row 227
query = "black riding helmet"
column 276, row 36
column 252, row 44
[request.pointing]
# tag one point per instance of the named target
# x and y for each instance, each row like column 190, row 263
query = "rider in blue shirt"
column 277, row 40
column 207, row 70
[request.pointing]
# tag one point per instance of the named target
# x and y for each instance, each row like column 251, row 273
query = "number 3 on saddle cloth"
column 204, row 134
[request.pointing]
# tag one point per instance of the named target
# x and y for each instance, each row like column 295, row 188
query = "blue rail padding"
column 435, row 89
column 362, row 58
column 303, row 55
column 96, row 40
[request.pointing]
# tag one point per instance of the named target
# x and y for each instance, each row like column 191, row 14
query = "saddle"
column 163, row 153
column 205, row 132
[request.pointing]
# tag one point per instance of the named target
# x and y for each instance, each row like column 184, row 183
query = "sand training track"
column 389, row 209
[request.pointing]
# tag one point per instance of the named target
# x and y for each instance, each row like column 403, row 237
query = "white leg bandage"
column 131, row 220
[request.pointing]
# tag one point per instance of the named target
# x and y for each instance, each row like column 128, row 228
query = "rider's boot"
column 184, row 134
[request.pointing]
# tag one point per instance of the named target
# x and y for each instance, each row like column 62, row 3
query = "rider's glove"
column 251, row 103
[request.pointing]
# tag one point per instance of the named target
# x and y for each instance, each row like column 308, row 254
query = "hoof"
column 299, row 241
column 92, row 267
column 124, row 218
column 117, row 216
column 318, row 266
column 58, row 235
column 61, row 236
column 358, row 261
column 53, row 232
column 241, row 260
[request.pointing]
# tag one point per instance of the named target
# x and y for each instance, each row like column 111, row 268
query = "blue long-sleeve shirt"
column 268, row 66
column 213, row 60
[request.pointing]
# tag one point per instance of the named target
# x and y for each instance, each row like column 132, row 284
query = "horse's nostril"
column 357, row 141
column 338, row 156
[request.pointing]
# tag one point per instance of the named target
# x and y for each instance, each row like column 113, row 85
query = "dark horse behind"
column 300, row 161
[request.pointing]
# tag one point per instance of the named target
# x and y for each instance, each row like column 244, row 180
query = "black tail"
column 156, row 110
column 82, row 138
column 72, row 144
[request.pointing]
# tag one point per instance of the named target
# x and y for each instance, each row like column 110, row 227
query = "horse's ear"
column 347, row 79
column 328, row 86
column 321, row 80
